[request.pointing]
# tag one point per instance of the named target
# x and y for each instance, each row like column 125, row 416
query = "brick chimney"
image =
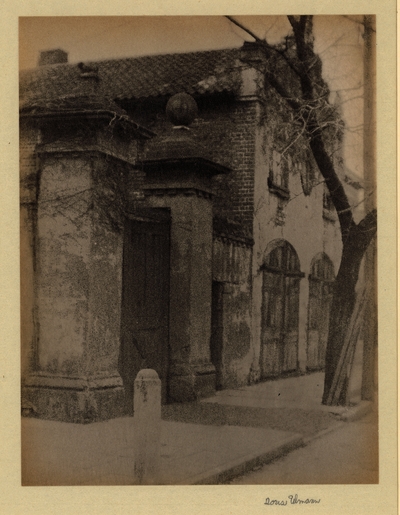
column 56, row 56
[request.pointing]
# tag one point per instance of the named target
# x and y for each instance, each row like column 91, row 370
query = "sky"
column 338, row 41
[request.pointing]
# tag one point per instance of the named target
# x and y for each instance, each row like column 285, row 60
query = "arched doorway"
column 280, row 311
column 322, row 276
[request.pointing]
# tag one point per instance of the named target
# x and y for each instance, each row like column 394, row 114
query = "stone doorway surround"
column 178, row 177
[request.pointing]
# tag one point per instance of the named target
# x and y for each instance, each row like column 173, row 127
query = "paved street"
column 210, row 441
column 347, row 455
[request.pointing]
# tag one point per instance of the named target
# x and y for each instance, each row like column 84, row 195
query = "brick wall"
column 235, row 192
column 225, row 127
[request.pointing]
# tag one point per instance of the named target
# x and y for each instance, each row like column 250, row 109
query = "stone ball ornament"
column 181, row 109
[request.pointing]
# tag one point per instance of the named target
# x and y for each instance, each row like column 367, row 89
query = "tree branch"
column 263, row 42
column 366, row 228
column 309, row 107
column 292, row 21
column 281, row 90
column 245, row 29
column 338, row 195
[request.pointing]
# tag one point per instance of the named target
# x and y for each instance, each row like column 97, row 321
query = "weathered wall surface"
column 73, row 201
column 105, row 277
column 232, row 267
column 191, row 373
column 79, row 264
column 70, row 199
column 28, row 168
column 295, row 217
column 63, row 261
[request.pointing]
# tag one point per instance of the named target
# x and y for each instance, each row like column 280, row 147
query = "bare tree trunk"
column 344, row 296
column 343, row 303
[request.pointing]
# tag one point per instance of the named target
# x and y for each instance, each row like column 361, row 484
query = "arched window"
column 322, row 268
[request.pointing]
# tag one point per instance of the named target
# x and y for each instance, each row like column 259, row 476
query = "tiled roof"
column 141, row 77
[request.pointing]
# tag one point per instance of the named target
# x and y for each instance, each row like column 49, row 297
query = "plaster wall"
column 78, row 286
column 300, row 221
column 28, row 167
column 105, row 294
column 232, row 266
column 64, row 241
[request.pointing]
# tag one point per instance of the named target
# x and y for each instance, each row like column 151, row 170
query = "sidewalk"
column 202, row 443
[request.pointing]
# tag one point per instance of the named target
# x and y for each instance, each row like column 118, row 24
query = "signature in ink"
column 292, row 499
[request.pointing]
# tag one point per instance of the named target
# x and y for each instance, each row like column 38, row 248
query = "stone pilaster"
column 78, row 266
column 179, row 178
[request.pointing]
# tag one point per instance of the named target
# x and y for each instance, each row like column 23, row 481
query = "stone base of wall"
column 254, row 374
column 78, row 401
column 205, row 380
column 188, row 383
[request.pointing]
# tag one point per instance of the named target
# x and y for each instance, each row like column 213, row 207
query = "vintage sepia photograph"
column 198, row 210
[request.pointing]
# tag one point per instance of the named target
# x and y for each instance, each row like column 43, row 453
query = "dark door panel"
column 280, row 312
column 145, row 302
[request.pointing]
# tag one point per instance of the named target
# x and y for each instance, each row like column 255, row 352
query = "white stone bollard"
column 147, row 427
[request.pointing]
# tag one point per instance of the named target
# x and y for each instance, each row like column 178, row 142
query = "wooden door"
column 320, row 298
column 145, row 302
column 272, row 317
column 290, row 331
column 280, row 312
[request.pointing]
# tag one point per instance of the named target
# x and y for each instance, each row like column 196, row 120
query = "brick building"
column 207, row 253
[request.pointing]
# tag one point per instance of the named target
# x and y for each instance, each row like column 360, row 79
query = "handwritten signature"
column 292, row 499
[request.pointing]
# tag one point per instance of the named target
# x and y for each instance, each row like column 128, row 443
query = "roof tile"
column 141, row 77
